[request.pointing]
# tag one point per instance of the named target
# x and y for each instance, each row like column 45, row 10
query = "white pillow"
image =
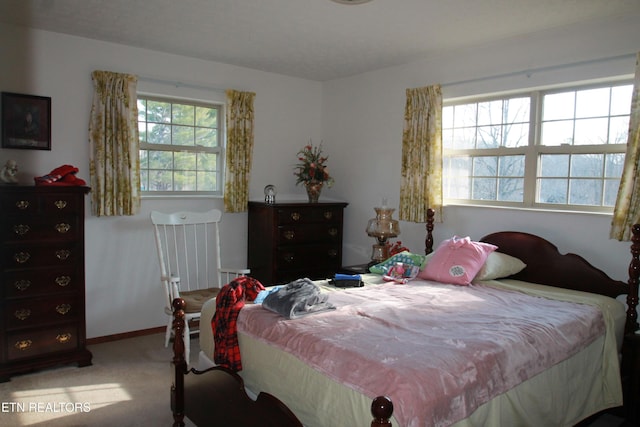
column 499, row 265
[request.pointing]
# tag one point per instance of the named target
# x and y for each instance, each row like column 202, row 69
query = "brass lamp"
column 382, row 227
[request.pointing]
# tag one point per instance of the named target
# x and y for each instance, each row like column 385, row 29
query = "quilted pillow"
column 499, row 265
column 404, row 257
column 457, row 261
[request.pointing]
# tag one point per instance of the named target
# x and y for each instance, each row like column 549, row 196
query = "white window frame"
column 218, row 150
column 533, row 149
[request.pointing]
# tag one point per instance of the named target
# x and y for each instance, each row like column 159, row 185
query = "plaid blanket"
column 229, row 302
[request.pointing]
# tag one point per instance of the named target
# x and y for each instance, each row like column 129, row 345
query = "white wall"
column 358, row 118
column 123, row 290
column 364, row 114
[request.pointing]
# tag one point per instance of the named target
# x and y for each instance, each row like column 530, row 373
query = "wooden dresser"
column 291, row 240
column 42, row 299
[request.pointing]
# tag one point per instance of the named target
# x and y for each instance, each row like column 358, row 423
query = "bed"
column 553, row 388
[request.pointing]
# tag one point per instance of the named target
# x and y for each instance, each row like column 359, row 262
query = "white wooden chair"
column 188, row 245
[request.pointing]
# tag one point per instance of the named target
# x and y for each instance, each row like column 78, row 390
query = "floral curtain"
column 627, row 209
column 239, row 150
column 421, row 186
column 114, row 145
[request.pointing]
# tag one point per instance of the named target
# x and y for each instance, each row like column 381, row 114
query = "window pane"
column 611, row 192
column 142, row 109
column 142, row 131
column 621, row 100
column 160, row 160
column 489, row 136
column 587, row 165
column 207, row 162
column 490, row 113
column 464, row 115
column 206, row 137
column 183, row 114
column 484, row 189
column 182, row 135
column 207, row 117
column 613, row 166
column 585, row 192
column 447, row 117
column 592, row 102
column 511, row 189
column 591, row 131
column 485, row 166
column 206, row 181
column 184, row 161
column 554, row 165
column 464, row 138
column 552, row 191
column 447, row 138
column 144, row 180
column 511, row 166
column 158, row 112
column 558, row 106
column 516, row 135
column 158, row 134
column 517, row 110
column 160, row 180
column 619, row 130
column 557, row 133
column 184, row 181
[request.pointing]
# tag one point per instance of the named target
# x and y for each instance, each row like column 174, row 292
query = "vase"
column 314, row 188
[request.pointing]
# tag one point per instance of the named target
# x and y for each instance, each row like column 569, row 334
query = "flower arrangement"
column 312, row 166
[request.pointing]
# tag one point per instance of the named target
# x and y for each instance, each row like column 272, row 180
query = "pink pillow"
column 457, row 260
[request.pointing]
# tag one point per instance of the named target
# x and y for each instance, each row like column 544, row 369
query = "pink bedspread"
column 438, row 351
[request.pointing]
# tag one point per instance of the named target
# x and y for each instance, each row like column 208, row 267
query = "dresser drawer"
column 37, row 342
column 15, row 203
column 310, row 256
column 31, row 256
column 31, row 283
column 306, row 214
column 42, row 311
column 309, row 233
column 23, row 229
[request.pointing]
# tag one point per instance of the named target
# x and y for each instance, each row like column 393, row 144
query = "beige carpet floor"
column 127, row 385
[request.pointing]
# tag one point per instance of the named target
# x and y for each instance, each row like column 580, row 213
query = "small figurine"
column 9, row 172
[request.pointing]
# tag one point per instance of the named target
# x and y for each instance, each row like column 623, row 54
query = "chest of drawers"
column 42, row 294
column 287, row 241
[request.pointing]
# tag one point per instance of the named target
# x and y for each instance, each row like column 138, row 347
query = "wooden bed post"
column 179, row 362
column 634, row 275
column 428, row 243
column 381, row 409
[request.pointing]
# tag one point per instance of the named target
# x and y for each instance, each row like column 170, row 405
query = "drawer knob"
column 63, row 308
column 22, row 285
column 21, row 257
column 288, row 257
column 64, row 338
column 333, row 232
column 23, row 344
column 328, row 214
column 22, row 313
column 63, row 281
column 332, row 253
column 62, row 227
column 22, row 204
column 296, row 216
column 289, row 234
column 63, row 254
column 21, row 229
column 60, row 204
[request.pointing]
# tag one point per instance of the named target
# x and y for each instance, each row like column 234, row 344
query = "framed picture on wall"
column 26, row 121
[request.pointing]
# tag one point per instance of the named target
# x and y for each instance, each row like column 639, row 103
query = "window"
column 548, row 149
column 180, row 146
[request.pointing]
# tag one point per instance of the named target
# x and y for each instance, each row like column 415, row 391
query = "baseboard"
column 124, row 335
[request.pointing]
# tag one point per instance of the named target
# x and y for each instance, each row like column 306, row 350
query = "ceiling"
column 312, row 39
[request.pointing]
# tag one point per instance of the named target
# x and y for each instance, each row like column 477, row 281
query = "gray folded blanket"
column 298, row 298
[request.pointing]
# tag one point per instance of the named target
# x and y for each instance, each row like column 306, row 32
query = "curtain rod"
column 530, row 71
column 179, row 84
